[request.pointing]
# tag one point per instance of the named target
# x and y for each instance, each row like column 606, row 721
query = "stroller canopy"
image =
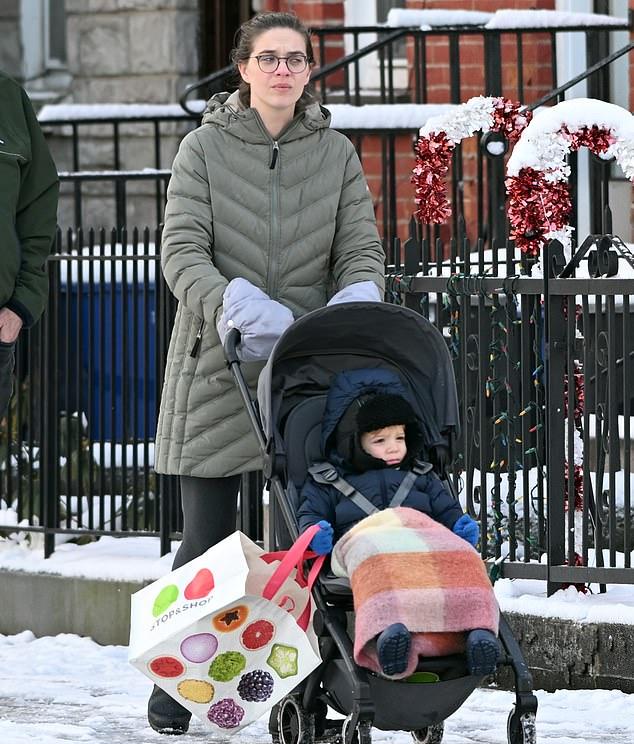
column 355, row 335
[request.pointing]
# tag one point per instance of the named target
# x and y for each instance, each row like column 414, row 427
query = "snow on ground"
column 69, row 689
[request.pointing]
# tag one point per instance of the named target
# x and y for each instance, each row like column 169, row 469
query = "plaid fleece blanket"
column 405, row 567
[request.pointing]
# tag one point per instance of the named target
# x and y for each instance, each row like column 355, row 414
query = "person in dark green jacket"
column 28, row 214
column 268, row 217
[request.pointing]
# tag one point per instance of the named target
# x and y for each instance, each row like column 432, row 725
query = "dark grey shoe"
column 483, row 651
column 165, row 715
column 392, row 649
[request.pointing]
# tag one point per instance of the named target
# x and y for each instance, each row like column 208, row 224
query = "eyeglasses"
column 296, row 63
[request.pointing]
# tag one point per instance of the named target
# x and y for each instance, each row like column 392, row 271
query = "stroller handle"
column 232, row 339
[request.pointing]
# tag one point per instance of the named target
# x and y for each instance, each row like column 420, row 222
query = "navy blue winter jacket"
column 318, row 502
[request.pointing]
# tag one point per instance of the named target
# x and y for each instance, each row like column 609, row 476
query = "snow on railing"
column 425, row 20
column 344, row 116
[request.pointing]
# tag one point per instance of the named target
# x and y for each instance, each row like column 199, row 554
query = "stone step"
column 561, row 654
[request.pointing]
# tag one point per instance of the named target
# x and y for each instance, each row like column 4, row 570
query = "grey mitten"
column 260, row 320
column 358, row 292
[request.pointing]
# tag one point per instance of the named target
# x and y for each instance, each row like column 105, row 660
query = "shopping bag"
column 229, row 634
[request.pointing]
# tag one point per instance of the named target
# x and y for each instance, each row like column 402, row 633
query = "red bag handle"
column 292, row 560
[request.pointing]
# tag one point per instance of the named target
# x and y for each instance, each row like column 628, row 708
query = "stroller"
column 286, row 420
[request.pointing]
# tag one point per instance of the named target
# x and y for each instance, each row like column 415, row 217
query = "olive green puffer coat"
column 294, row 217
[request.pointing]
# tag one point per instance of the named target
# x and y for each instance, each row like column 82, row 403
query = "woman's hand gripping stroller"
column 322, row 542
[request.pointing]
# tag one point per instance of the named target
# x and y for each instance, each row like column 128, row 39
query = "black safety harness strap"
column 402, row 492
column 326, row 474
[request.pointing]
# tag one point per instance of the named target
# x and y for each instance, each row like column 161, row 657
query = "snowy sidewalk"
column 69, row 690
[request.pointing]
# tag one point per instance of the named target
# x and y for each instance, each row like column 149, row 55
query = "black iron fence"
column 120, row 197
column 77, row 444
column 371, row 59
column 543, row 365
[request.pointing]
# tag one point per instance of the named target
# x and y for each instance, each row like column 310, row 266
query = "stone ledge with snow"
column 570, row 639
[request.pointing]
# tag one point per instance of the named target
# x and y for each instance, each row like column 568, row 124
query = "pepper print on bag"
column 230, row 619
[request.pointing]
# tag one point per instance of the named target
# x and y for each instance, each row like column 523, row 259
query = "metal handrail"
column 553, row 94
column 218, row 75
column 389, row 38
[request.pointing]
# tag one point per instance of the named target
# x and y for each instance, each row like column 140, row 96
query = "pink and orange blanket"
column 404, row 567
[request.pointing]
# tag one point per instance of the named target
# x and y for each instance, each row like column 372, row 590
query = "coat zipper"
column 276, row 152
column 15, row 155
column 197, row 340
column 275, row 227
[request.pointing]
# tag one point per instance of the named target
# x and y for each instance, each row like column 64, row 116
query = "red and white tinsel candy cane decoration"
column 440, row 135
column 539, row 203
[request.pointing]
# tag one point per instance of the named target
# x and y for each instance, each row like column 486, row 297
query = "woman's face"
column 280, row 89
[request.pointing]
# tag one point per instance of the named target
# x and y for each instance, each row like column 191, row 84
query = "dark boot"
column 483, row 651
column 392, row 648
column 165, row 715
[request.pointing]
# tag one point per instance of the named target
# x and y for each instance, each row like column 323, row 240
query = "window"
column 55, row 33
column 364, row 13
column 382, row 9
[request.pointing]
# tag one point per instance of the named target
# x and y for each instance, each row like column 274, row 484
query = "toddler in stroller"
column 287, row 421
column 408, row 574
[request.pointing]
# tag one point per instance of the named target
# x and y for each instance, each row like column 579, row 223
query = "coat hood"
column 348, row 391
column 226, row 110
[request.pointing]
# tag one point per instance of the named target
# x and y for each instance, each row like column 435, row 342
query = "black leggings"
column 209, row 514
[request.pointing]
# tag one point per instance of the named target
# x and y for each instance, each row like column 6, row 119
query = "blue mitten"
column 260, row 320
column 322, row 542
column 468, row 529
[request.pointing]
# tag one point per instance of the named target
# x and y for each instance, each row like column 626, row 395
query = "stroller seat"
column 303, row 445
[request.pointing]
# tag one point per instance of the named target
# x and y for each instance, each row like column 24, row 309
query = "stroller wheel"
column 429, row 734
column 520, row 729
column 362, row 733
column 274, row 730
column 294, row 724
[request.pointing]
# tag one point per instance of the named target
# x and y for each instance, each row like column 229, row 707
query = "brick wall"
column 536, row 54
column 537, row 75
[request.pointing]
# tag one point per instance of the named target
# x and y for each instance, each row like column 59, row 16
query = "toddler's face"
column 386, row 444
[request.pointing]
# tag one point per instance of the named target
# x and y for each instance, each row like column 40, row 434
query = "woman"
column 268, row 212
